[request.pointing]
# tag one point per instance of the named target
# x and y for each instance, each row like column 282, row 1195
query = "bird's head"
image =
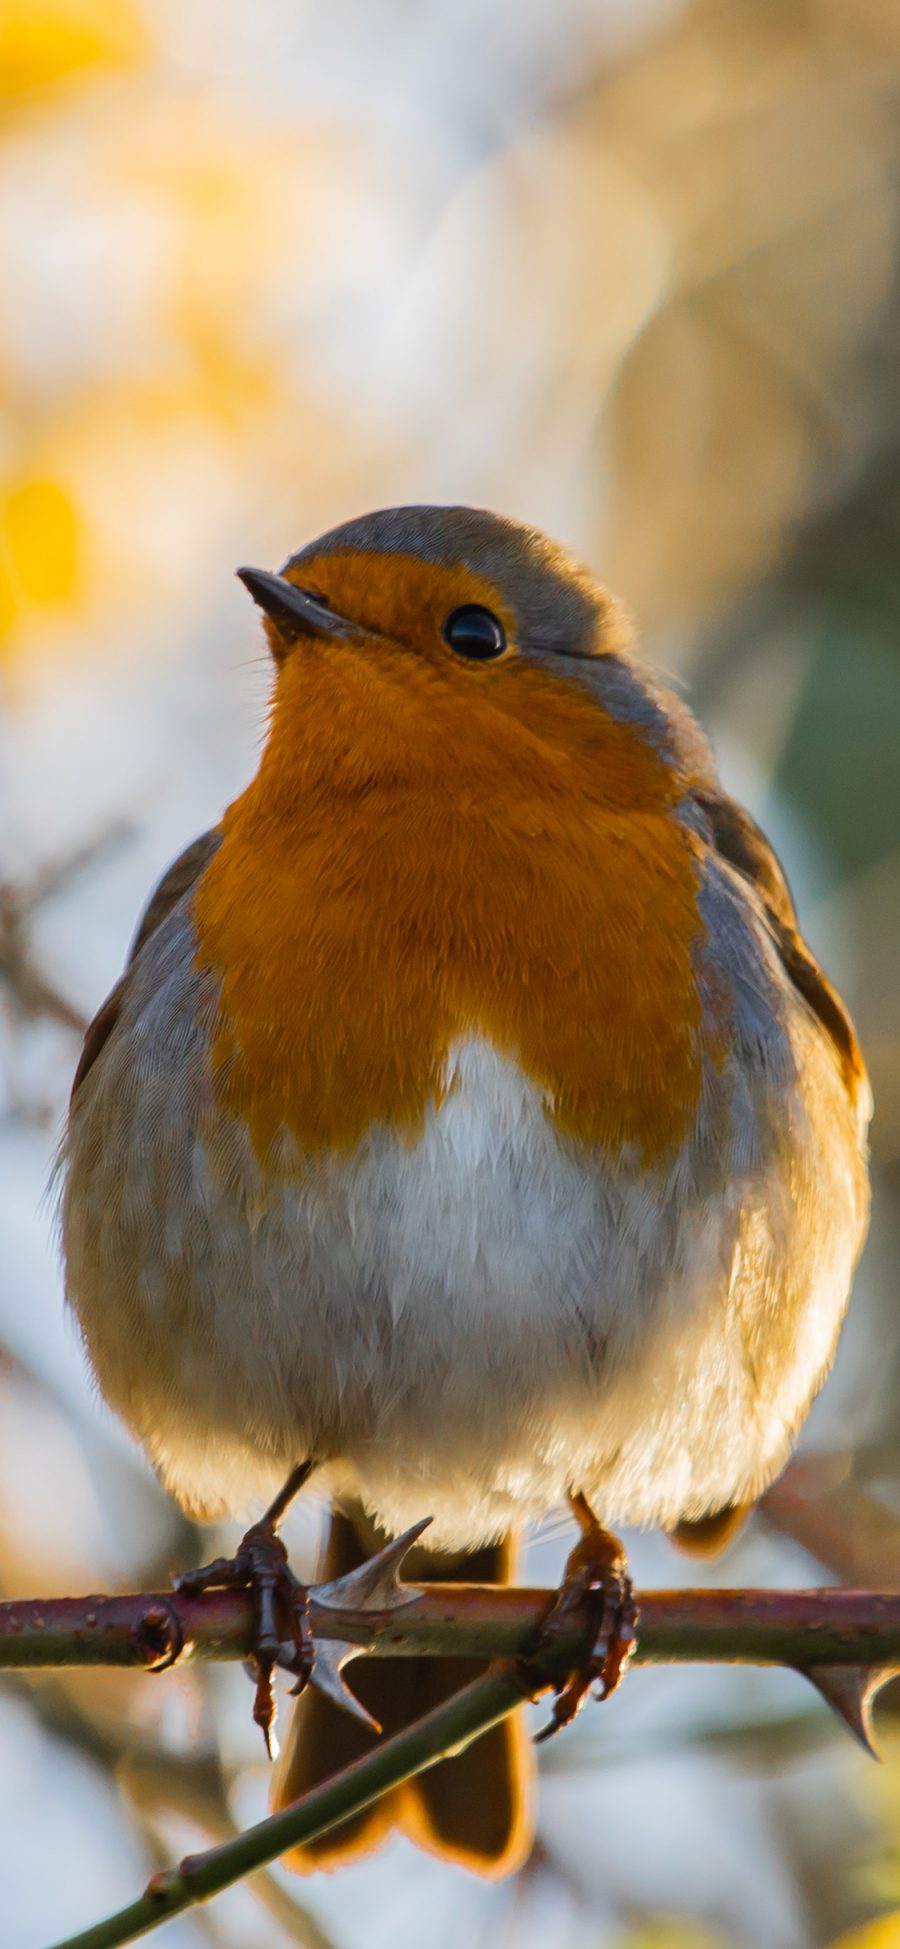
column 458, row 588
column 419, row 640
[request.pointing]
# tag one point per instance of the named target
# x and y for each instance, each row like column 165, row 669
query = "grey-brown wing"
column 738, row 839
column 178, row 880
column 180, row 877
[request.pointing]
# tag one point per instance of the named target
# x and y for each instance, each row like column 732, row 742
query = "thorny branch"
column 846, row 1642
column 757, row 1627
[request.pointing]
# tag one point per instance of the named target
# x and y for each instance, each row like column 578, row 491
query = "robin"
column 471, row 1127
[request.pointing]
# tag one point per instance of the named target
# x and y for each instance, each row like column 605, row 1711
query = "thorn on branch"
column 376, row 1585
column 851, row 1691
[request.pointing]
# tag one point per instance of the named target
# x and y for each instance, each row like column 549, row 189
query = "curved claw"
column 260, row 1565
column 595, row 1569
column 264, row 1709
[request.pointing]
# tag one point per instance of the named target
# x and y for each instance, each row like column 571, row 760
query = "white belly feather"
column 462, row 1326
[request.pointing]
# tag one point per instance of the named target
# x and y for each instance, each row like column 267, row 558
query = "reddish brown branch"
column 765, row 1627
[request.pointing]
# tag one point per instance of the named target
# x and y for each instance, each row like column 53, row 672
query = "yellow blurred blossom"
column 42, row 41
column 881, row 1934
column 39, row 547
column 665, row 1933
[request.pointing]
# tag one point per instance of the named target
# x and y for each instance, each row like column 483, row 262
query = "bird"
column 471, row 1128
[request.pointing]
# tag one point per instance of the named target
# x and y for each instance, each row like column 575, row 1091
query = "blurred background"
column 629, row 269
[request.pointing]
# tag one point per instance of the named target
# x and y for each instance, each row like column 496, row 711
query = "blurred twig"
column 33, row 994
column 820, row 1506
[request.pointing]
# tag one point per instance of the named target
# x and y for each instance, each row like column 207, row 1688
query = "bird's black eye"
column 475, row 632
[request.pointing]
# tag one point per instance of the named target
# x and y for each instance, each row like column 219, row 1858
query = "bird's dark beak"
column 293, row 611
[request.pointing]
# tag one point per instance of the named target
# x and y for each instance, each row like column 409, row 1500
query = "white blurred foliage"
column 67, row 1841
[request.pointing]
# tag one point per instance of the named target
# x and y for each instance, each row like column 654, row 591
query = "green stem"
column 449, row 1726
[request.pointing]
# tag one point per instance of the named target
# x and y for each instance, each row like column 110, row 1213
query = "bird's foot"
column 596, row 1566
column 281, row 1633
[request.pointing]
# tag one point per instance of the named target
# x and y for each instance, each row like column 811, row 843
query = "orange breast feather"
column 422, row 858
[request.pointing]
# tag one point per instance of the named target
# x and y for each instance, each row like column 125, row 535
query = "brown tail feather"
column 707, row 1535
column 474, row 1808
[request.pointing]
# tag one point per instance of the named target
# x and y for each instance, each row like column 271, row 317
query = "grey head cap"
column 558, row 606
column 563, row 615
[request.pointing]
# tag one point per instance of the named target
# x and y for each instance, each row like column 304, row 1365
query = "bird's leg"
column 260, row 1565
column 596, row 1565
